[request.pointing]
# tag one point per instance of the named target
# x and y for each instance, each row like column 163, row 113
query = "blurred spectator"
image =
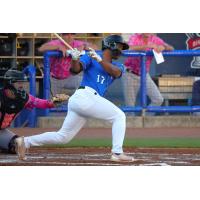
column 131, row 79
column 61, row 77
column 196, row 93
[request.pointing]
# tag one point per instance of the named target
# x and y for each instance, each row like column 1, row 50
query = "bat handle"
column 64, row 42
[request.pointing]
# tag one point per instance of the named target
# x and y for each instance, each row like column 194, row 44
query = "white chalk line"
column 144, row 157
column 71, row 163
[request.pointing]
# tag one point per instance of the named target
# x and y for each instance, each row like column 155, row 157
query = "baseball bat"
column 62, row 40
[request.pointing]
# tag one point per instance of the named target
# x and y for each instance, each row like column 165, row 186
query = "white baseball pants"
column 82, row 104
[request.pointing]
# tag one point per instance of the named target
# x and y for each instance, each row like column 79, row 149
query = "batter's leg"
column 71, row 126
column 106, row 110
column 100, row 108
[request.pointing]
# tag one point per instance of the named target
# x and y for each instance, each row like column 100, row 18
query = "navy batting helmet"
column 14, row 76
column 111, row 42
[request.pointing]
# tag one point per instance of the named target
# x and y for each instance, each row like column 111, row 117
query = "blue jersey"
column 95, row 76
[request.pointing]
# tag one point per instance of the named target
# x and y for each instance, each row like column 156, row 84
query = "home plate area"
column 83, row 156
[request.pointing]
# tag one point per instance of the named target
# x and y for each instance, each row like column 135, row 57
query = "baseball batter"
column 98, row 74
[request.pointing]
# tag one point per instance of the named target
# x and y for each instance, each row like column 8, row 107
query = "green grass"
column 137, row 142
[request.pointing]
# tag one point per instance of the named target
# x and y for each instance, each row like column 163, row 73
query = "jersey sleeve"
column 34, row 102
column 85, row 60
column 121, row 68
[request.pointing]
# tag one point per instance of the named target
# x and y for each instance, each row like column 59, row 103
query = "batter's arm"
column 110, row 68
column 76, row 67
column 106, row 62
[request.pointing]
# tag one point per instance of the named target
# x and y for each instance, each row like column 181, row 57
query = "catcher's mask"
column 13, row 76
column 112, row 42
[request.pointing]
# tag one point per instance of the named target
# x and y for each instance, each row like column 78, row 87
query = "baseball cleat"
column 20, row 148
column 121, row 158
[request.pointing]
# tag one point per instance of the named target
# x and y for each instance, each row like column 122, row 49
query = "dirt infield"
column 84, row 156
column 101, row 157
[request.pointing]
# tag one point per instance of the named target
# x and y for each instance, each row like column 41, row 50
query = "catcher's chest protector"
column 12, row 101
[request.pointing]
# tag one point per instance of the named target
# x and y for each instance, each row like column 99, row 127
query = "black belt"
column 81, row 87
column 130, row 71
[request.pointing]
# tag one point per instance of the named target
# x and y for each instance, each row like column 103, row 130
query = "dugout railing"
column 143, row 108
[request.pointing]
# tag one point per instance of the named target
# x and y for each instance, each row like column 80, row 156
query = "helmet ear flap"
column 109, row 45
column 113, row 45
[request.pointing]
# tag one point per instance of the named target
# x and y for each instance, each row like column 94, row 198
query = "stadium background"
column 21, row 49
column 164, row 130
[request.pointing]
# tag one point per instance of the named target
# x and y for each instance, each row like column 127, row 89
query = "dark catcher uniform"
column 12, row 102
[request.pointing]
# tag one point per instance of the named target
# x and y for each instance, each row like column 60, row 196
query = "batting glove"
column 68, row 53
column 75, row 53
column 94, row 55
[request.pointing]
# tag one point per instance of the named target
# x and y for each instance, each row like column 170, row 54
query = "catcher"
column 13, row 99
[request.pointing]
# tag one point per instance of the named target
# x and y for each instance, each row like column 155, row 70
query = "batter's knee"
column 121, row 115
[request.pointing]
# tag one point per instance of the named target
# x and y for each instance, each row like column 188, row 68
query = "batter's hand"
column 69, row 52
column 94, row 55
column 75, row 53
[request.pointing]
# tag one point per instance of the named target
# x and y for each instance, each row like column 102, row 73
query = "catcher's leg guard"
column 7, row 141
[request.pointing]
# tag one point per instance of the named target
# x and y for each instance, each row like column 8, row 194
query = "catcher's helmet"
column 14, row 76
column 111, row 42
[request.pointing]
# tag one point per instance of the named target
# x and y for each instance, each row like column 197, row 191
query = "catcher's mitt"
column 58, row 99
